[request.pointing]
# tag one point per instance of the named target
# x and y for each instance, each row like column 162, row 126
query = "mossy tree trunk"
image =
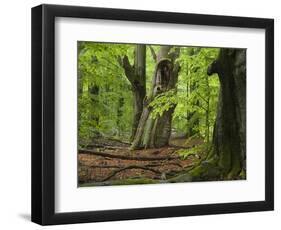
column 229, row 136
column 155, row 132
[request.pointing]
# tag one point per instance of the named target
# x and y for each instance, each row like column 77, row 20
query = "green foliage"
column 163, row 102
column 105, row 100
column 197, row 93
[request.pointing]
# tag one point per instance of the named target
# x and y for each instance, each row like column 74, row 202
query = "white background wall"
column 15, row 114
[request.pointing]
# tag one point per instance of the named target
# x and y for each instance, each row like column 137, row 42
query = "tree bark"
column 139, row 89
column 229, row 136
column 136, row 76
column 155, row 133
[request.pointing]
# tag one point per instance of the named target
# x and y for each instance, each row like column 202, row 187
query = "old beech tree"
column 229, row 136
column 155, row 132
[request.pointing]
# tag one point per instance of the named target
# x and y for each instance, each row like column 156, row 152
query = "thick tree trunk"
column 229, row 136
column 136, row 76
column 138, row 108
column 139, row 86
column 152, row 132
column 159, row 129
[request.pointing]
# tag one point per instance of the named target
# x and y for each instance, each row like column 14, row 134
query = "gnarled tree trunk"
column 155, row 132
column 229, row 136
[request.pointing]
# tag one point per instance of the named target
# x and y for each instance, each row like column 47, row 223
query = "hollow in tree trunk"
column 155, row 132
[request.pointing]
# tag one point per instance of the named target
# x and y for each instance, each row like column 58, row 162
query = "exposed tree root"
column 107, row 146
column 146, row 165
column 180, row 177
column 201, row 172
column 138, row 158
column 121, row 166
column 130, row 167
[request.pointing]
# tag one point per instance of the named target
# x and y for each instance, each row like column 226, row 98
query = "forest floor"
column 111, row 162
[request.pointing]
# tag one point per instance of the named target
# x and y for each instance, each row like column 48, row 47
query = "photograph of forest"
column 152, row 114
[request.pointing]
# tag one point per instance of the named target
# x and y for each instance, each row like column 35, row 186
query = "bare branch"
column 128, row 68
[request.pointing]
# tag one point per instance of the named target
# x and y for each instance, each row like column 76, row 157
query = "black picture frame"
column 43, row 114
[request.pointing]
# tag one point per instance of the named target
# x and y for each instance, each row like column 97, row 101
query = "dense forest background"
column 140, row 97
column 106, row 98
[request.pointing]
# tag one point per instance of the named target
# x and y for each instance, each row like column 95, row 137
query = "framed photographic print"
column 142, row 114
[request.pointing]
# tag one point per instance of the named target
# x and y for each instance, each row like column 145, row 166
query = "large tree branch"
column 174, row 55
column 154, row 56
column 128, row 68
